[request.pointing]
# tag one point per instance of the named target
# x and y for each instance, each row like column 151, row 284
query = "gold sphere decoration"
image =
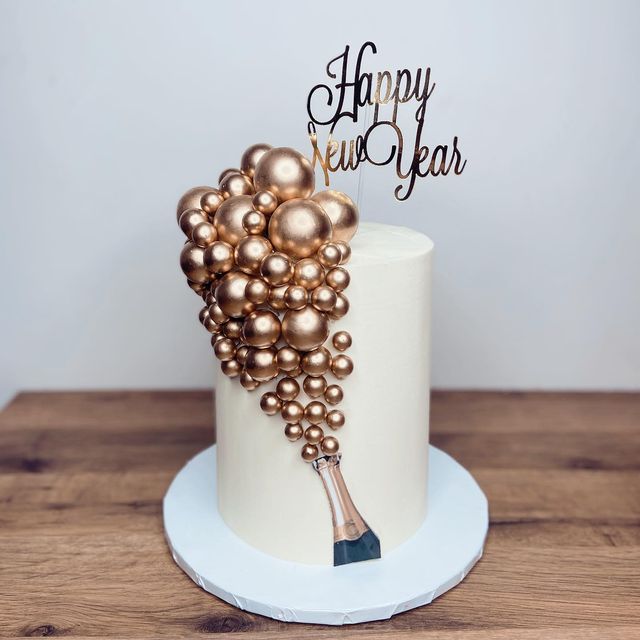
column 333, row 394
column 309, row 452
column 261, row 328
column 329, row 445
column 232, row 329
column 341, row 366
column 230, row 294
column 231, row 368
column 276, row 298
column 236, row 184
column 329, row 255
column 210, row 202
column 218, row 257
column 204, row 313
column 341, row 309
column 316, row 362
column 305, row 329
column 293, row 432
column 295, row 297
column 315, row 412
column 294, row 373
column 324, row 298
column 314, row 387
column 248, row 382
column 299, row 228
column 229, row 216
column 338, row 279
column 211, row 325
column 257, row 291
column 241, row 354
column 270, row 403
column 216, row 337
column 286, row 173
column 191, row 200
column 217, row 314
column 345, row 252
column 288, row 389
column 276, row 269
column 197, row 287
column 313, row 434
column 192, row 263
column 265, row 202
column 341, row 340
column 209, row 298
column 260, row 364
column 335, row 419
column 292, row 412
column 342, row 212
column 251, row 157
column 190, row 219
column 204, row 234
column 250, row 252
column 225, row 349
column 287, row 359
column 254, row 223
column 308, row 273
column 227, row 172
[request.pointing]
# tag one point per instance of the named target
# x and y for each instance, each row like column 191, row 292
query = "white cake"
column 276, row 503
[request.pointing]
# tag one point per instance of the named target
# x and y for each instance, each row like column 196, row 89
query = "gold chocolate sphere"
column 218, row 257
column 316, row 362
column 276, row 298
column 236, row 184
column 338, row 279
column 286, row 173
column 341, row 340
column 250, row 252
column 251, row 156
column 341, row 308
column 341, row 366
column 228, row 218
column 191, row 199
column 287, row 359
column 345, row 252
column 248, row 382
column 254, row 223
column 329, row 255
column 225, row 173
column 315, row 412
column 204, row 234
column 304, row 329
column 295, row 297
column 225, row 349
column 232, row 329
column 198, row 287
column 329, row 445
column 192, row 263
column 257, row 290
column 190, row 219
column 231, row 368
column 261, row 328
column 260, row 364
column 276, row 269
column 333, row 394
column 294, row 373
column 309, row 452
column 210, row 202
column 241, row 354
column 217, row 314
column 313, row 434
column 204, row 313
column 211, row 325
column 342, row 212
column 265, row 202
column 293, row 432
column 292, row 412
column 324, row 298
column 216, row 337
column 230, row 294
column 270, row 403
column 314, row 387
column 299, row 227
column 335, row 419
column 308, row 273
column 288, row 389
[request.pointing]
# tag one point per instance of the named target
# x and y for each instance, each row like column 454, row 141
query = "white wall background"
column 109, row 110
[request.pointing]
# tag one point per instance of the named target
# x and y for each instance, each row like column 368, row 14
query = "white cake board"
column 435, row 559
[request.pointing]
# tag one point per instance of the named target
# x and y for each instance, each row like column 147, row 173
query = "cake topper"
column 350, row 96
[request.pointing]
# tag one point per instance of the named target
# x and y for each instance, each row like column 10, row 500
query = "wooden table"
column 82, row 551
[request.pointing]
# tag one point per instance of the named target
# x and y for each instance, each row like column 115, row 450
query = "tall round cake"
column 278, row 505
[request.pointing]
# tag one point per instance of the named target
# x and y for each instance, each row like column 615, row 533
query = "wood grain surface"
column 82, row 551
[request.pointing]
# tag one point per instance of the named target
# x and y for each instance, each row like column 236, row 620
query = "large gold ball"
column 305, row 329
column 288, row 389
column 265, row 202
column 316, row 362
column 293, row 432
column 299, row 227
column 341, row 366
column 228, row 218
column 225, row 349
column 333, row 394
column 276, row 269
column 261, row 328
column 250, row 252
column 231, row 368
column 236, row 184
column 270, row 403
column 295, row 297
column 309, row 452
column 315, row 412
column 287, row 359
column 329, row 255
column 329, row 445
column 218, row 257
column 345, row 252
column 210, row 202
column 230, row 294
column 314, row 387
column 276, row 298
column 324, row 298
column 251, row 157
column 313, row 434
column 286, row 173
column 232, row 329
column 192, row 263
column 308, row 273
column 341, row 210
column 342, row 340
column 260, row 364
column 257, row 290
column 335, row 419
column 341, row 308
column 292, row 412
column 204, row 234
column 254, row 223
column 338, row 279
column 248, row 382
column 190, row 219
column 191, row 199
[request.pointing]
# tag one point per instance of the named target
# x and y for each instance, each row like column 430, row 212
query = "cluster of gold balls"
column 266, row 254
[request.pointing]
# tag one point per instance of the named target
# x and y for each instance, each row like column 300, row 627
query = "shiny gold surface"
column 335, row 419
column 190, row 219
column 313, row 434
column 329, row 255
column 341, row 340
column 304, row 329
column 225, row 349
column 314, row 387
column 292, row 411
column 293, row 432
column 277, row 269
column 248, row 382
column 341, row 366
column 236, row 184
column 230, row 294
column 316, row 362
column 341, row 308
column 232, row 329
column 231, row 368
column 287, row 359
column 210, row 202
column 338, row 279
column 250, row 252
column 254, row 222
column 260, row 364
column 342, row 212
column 345, row 252
column 288, row 389
column 261, row 328
column 333, row 394
column 217, row 314
column 309, row 452
column 270, row 403
column 251, row 156
column 324, row 298
column 228, row 218
column 265, row 202
column 191, row 200
column 218, row 257
column 276, row 298
column 315, row 412
column 257, row 291
column 296, row 297
column 286, row 173
column 308, row 273
column 329, row 445
column 204, row 234
column 192, row 263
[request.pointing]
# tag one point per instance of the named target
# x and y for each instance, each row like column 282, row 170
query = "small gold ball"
column 197, row 287
column 335, row 419
column 254, row 223
column 248, row 382
column 229, row 216
column 230, row 294
column 204, row 234
column 305, row 329
column 217, row 314
column 232, row 329
column 315, row 412
column 341, row 210
column 342, row 340
column 287, row 359
column 191, row 200
column 308, row 273
column 225, row 349
column 295, row 297
column 190, row 219
column 265, row 202
column 241, row 354
column 329, row 445
column 286, row 173
column 231, row 368
column 204, row 313
column 314, row 387
column 209, row 298
column 236, row 184
column 261, row 328
column 341, row 366
column 227, row 172
column 333, row 394
column 276, row 298
column 210, row 202
column 250, row 252
column 270, row 403
column 313, row 434
column 293, row 432
column 292, row 411
column 257, row 291
column 215, row 338
column 211, row 325
column 218, row 257
column 251, row 157
column 294, row 373
column 338, row 279
column 276, row 269
column 341, row 309
column 329, row 255
column 309, row 452
column 345, row 251
column 260, row 364
column 288, row 389
column 192, row 263
column 324, row 298
column 316, row 362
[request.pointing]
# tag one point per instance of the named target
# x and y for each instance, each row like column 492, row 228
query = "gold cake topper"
column 351, row 97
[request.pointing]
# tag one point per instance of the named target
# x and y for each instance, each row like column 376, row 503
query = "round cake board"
column 435, row 559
